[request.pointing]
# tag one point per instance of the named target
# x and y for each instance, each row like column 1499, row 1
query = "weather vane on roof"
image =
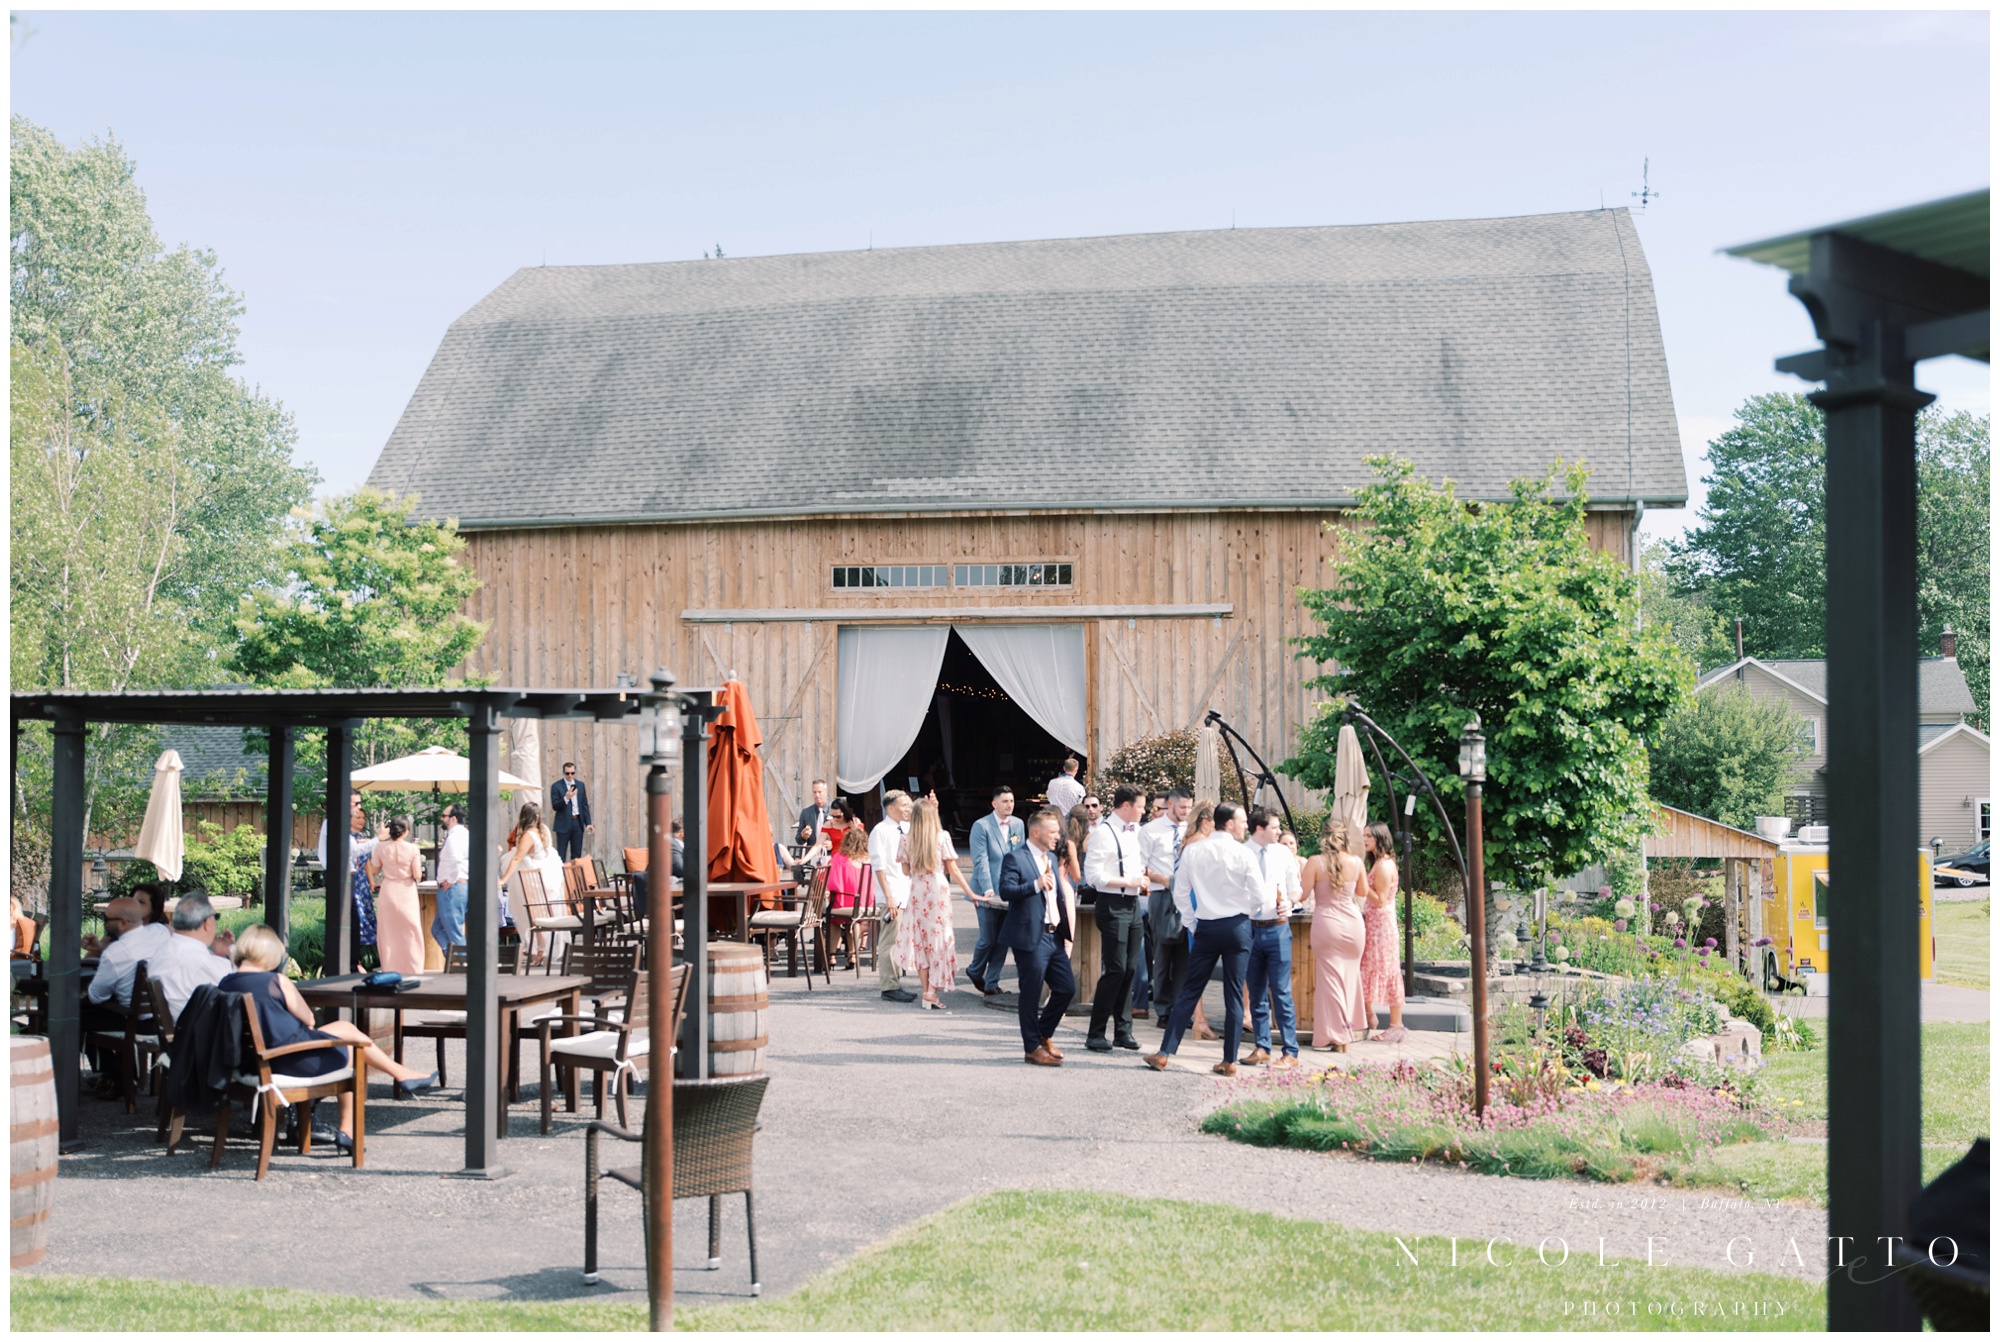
column 1645, row 195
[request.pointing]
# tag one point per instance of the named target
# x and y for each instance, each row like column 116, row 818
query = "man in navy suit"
column 571, row 820
column 1039, row 899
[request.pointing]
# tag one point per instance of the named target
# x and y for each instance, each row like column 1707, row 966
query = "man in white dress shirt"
column 892, row 888
column 1270, row 974
column 1064, row 791
column 1115, row 868
column 1217, row 890
column 454, row 871
column 1166, row 949
column 117, row 967
column 189, row 958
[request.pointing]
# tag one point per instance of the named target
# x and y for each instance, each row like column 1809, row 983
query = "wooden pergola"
column 1885, row 293
column 1683, row 834
column 284, row 713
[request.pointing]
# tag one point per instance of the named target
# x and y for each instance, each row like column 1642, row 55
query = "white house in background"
column 1954, row 758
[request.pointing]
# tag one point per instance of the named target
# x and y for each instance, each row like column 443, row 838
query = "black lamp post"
column 1472, row 768
column 1541, row 960
column 659, row 746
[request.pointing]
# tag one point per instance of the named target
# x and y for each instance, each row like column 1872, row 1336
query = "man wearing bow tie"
column 1115, row 867
column 1041, row 907
column 1160, row 842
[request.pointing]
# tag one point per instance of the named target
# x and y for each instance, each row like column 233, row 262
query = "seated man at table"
column 134, row 942
column 193, row 955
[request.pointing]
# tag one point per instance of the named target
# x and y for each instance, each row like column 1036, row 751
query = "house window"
column 1982, row 817
column 1013, row 575
column 847, row 577
column 1810, row 734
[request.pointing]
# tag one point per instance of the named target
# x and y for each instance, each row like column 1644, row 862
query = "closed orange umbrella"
column 740, row 846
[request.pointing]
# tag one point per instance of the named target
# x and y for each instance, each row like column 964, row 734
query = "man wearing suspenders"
column 1114, row 867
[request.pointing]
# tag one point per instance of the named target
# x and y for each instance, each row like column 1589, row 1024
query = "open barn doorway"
column 974, row 737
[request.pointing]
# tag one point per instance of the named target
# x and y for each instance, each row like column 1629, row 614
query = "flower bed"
column 1544, row 1122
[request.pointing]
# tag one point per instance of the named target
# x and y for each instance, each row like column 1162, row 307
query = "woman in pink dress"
column 926, row 944
column 396, row 867
column 1381, row 959
column 1338, row 937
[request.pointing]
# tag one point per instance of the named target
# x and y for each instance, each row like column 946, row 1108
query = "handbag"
column 390, row 979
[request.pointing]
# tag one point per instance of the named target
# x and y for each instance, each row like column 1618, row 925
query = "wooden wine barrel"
column 33, row 1110
column 738, row 997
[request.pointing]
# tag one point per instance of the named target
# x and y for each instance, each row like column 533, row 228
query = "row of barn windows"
column 846, row 576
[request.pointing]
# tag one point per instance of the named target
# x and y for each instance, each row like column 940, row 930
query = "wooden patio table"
column 447, row 992
column 739, row 893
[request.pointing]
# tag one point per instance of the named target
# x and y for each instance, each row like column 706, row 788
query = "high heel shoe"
column 406, row 1089
column 929, row 1005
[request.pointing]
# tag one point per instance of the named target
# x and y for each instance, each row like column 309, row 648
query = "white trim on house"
column 1952, row 731
column 1779, row 676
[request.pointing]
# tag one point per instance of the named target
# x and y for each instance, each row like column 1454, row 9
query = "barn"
column 954, row 512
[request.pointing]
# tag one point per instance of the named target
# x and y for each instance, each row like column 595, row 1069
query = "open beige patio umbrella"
column 432, row 769
column 1350, row 786
column 161, row 840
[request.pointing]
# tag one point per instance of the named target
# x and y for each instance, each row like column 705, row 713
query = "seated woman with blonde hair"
column 284, row 1018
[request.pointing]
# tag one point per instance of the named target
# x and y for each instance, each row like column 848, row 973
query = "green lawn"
column 1964, row 936
column 1957, row 1109
column 1056, row 1261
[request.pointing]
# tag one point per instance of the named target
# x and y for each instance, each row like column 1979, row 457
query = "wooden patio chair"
column 269, row 1088
column 137, row 1044
column 617, row 1047
column 448, row 1024
column 715, row 1126
column 855, row 927
column 548, row 914
column 170, row 1117
column 610, row 967
column 792, row 921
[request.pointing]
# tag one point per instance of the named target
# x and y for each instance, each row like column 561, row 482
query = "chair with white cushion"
column 606, row 1045
column 264, row 1083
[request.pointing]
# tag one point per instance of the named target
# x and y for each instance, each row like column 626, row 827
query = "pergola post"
column 1873, row 1095
column 65, row 960
column 339, row 851
column 278, row 834
column 483, row 1111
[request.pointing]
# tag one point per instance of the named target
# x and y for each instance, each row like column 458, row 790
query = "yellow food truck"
column 1794, row 917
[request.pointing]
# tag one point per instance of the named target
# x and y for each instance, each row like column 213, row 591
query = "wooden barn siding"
column 577, row 606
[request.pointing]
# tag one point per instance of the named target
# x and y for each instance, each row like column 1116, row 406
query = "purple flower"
column 1680, row 943
column 1710, row 943
column 1620, row 924
column 1761, row 941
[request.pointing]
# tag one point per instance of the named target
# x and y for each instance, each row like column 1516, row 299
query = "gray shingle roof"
column 1252, row 367
column 1941, row 685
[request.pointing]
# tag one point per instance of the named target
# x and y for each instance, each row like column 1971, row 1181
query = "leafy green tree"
column 1759, row 549
column 373, row 596
column 1440, row 608
column 1685, row 619
column 1727, row 755
column 1954, row 537
column 149, row 484
column 1758, row 552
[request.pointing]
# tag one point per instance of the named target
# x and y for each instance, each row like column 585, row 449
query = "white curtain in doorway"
column 887, row 676
column 1041, row 668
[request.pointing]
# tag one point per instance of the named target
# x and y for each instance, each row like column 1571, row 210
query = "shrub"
column 308, row 932
column 1438, row 935
column 219, row 862
column 1157, row 763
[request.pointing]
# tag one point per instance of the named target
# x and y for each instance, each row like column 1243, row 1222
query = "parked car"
column 1972, row 867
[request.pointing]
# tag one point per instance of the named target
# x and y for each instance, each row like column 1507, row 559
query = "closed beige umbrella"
column 1350, row 786
column 1208, row 764
column 161, row 841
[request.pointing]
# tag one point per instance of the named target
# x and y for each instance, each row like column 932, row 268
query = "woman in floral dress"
column 360, row 847
column 926, row 946
column 1381, row 960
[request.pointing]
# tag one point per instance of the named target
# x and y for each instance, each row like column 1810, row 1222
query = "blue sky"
column 366, row 177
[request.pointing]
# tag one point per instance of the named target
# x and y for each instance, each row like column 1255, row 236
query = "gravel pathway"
column 878, row 1114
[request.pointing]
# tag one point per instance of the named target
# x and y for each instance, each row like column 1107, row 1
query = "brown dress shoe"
column 1041, row 1057
column 1256, row 1056
column 1157, row 1061
column 1289, row 1060
column 1140, row 1013
column 1224, row 1069
column 1054, row 1052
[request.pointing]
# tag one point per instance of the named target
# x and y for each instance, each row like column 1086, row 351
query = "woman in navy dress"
column 284, row 1018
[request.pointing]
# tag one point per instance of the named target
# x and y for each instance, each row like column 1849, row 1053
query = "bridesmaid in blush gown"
column 1338, row 937
column 396, row 867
